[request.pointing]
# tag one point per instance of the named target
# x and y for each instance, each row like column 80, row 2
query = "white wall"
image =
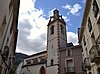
column 35, row 69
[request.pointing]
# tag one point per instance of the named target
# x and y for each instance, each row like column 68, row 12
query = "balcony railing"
column 70, row 70
column 95, row 54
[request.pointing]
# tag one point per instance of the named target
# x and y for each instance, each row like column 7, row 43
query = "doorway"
column 42, row 70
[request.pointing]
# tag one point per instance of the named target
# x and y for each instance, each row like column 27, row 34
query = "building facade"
column 56, row 39
column 34, row 64
column 89, row 37
column 61, row 57
column 70, row 60
column 8, row 34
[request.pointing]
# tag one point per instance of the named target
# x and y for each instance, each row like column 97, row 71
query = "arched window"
column 62, row 29
column 52, row 62
column 52, row 30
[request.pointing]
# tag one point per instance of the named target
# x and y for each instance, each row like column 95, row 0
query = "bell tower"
column 56, row 39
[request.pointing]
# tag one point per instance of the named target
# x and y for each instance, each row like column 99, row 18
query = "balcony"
column 86, row 64
column 95, row 54
column 70, row 70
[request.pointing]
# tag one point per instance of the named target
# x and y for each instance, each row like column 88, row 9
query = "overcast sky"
column 33, row 19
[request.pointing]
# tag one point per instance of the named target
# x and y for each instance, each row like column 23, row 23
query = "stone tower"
column 56, row 39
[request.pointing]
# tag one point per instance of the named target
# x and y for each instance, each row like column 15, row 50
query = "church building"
column 60, row 57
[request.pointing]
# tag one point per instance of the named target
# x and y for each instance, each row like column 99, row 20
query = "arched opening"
column 62, row 29
column 52, row 30
column 52, row 62
column 42, row 70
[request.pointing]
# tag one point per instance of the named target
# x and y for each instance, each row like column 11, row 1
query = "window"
column 70, row 65
column 62, row 29
column 51, row 46
column 28, row 61
column 35, row 60
column 68, row 52
column 43, row 59
column 84, row 41
column 52, row 30
column 89, row 25
column 95, row 8
column 52, row 62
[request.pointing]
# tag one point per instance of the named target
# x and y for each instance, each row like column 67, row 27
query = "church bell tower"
column 56, row 39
